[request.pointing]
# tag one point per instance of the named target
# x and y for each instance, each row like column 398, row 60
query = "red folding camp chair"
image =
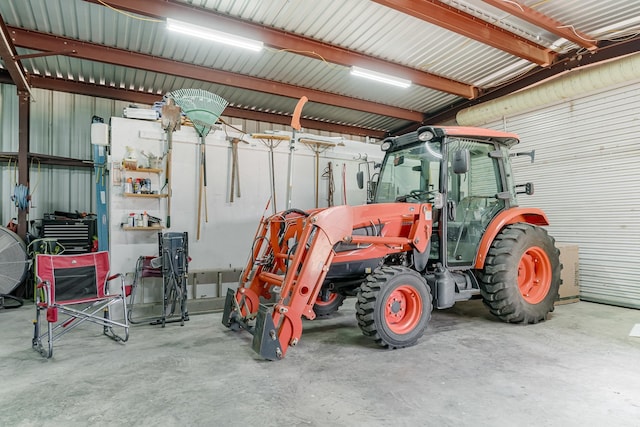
column 77, row 287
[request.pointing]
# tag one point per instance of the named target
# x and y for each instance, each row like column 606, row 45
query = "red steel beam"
column 541, row 20
column 284, row 40
column 108, row 92
column 24, row 112
column 18, row 77
column 8, row 54
column 452, row 19
column 95, row 52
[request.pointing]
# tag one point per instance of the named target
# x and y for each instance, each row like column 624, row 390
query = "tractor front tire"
column 394, row 306
column 521, row 275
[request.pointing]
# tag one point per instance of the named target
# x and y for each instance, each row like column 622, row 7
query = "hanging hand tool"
column 295, row 124
column 170, row 123
column 344, row 183
column 235, row 169
column 317, row 147
column 202, row 183
column 271, row 141
column 203, row 109
column 331, row 187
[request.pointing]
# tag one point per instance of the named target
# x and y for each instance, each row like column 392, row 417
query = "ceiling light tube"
column 213, row 35
column 380, row 77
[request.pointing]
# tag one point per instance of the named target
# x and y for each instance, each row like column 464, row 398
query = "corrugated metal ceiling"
column 358, row 25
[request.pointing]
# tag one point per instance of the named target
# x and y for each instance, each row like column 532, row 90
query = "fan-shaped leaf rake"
column 203, row 109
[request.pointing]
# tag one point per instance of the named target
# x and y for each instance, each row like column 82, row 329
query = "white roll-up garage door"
column 587, row 179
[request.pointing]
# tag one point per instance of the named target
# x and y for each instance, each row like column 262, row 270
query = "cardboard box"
column 570, row 287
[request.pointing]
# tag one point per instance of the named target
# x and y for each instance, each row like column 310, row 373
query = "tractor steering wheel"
column 418, row 196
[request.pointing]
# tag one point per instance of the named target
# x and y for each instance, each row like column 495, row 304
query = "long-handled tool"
column 295, row 124
column 331, row 186
column 170, row 123
column 271, row 141
column 317, row 147
column 235, row 169
column 203, row 109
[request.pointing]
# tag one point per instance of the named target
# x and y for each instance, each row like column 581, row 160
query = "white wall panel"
column 587, row 180
column 226, row 238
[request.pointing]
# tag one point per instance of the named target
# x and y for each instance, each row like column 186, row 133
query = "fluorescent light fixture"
column 379, row 77
column 213, row 35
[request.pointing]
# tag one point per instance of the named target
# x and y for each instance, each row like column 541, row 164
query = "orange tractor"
column 443, row 226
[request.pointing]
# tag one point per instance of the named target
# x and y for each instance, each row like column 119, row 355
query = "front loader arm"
column 292, row 253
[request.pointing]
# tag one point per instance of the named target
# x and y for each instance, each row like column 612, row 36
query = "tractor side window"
column 474, row 196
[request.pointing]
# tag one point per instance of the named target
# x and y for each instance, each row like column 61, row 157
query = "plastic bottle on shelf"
column 128, row 185
column 145, row 219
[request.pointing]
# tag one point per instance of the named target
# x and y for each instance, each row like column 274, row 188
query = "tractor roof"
column 505, row 138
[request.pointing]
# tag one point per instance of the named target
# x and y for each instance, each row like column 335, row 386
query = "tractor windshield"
column 410, row 174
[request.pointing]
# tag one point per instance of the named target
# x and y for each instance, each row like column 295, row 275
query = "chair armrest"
column 45, row 285
column 125, row 290
column 115, row 276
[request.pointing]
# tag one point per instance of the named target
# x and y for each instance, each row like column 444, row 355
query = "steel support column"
column 24, row 109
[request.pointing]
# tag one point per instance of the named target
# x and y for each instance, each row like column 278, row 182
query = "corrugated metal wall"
column 587, row 179
column 60, row 126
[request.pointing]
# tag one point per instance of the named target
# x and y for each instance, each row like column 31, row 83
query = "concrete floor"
column 580, row 368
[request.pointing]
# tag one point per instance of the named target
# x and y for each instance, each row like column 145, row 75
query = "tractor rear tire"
column 394, row 306
column 521, row 276
column 328, row 307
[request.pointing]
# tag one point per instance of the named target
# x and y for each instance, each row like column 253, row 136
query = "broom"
column 203, row 109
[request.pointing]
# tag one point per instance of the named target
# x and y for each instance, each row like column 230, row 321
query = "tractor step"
column 265, row 337
column 229, row 308
column 231, row 317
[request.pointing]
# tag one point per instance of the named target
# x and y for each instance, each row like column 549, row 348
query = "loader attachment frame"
column 291, row 254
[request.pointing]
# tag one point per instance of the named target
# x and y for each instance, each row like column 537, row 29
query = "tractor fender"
column 533, row 216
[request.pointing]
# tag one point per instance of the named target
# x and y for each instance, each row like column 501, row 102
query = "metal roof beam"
column 8, row 54
column 285, row 40
column 94, row 52
column 452, row 19
column 62, row 85
column 541, row 20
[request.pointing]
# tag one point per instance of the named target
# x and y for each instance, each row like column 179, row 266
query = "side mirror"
column 460, row 161
column 531, row 154
column 528, row 188
column 360, row 179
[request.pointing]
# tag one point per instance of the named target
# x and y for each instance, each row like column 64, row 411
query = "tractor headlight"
column 386, row 144
column 425, row 136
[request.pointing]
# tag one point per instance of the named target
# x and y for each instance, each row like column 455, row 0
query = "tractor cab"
column 465, row 173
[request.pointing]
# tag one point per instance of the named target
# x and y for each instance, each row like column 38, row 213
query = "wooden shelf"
column 129, row 228
column 147, row 170
column 146, row 196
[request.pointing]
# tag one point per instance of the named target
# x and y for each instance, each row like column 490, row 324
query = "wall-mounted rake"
column 203, row 109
